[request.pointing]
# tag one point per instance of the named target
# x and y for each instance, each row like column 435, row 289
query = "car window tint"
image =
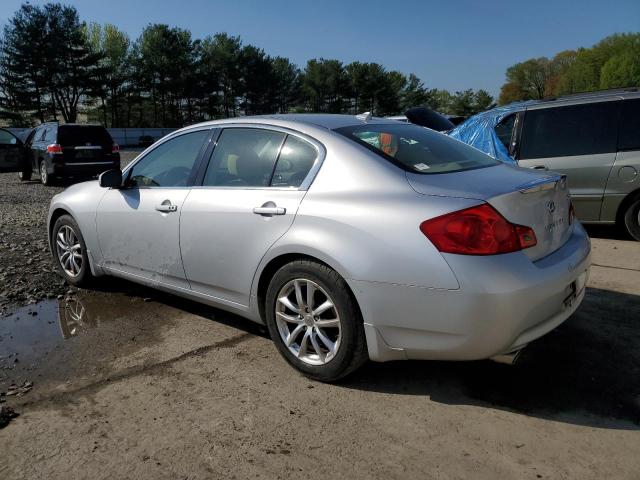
column 244, row 157
column 575, row 130
column 7, row 138
column 83, row 135
column 170, row 163
column 504, row 130
column 40, row 134
column 418, row 149
column 295, row 160
column 629, row 135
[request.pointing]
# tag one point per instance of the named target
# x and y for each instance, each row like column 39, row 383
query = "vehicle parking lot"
column 133, row 383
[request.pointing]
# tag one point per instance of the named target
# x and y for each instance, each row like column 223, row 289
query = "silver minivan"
column 594, row 139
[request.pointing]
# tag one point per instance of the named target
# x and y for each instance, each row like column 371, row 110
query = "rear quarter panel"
column 623, row 180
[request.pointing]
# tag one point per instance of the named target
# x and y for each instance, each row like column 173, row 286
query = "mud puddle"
column 75, row 337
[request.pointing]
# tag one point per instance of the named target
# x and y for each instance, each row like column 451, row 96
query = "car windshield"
column 417, row 149
column 83, row 135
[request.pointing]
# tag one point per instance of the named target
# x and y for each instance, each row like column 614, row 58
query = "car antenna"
column 365, row 117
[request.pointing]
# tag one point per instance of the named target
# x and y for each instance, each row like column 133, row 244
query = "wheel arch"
column 624, row 204
column 274, row 264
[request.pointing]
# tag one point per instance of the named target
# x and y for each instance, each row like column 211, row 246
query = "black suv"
column 72, row 150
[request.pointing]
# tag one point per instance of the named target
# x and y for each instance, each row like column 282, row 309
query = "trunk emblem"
column 552, row 207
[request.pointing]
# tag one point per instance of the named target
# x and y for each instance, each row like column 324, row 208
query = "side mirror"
column 110, row 179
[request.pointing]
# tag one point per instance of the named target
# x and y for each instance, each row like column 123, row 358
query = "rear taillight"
column 479, row 230
column 54, row 148
column 115, row 148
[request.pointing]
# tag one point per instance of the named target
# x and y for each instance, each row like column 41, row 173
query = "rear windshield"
column 83, row 135
column 417, row 149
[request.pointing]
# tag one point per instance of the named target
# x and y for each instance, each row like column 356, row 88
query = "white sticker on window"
column 421, row 166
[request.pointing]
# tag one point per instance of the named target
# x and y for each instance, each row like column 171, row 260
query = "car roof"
column 327, row 121
column 582, row 98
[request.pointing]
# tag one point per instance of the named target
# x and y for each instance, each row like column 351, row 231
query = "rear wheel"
column 314, row 321
column 632, row 219
column 45, row 178
column 70, row 251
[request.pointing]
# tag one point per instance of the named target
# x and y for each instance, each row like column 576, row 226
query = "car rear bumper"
column 503, row 303
column 82, row 169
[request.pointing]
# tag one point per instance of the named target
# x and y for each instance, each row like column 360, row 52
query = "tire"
column 632, row 219
column 67, row 238
column 314, row 358
column 25, row 175
column 45, row 178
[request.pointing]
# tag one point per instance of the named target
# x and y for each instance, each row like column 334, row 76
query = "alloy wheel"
column 308, row 321
column 44, row 176
column 69, row 250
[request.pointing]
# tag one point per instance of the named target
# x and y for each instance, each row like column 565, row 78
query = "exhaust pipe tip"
column 507, row 358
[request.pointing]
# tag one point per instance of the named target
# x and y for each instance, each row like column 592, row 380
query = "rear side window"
column 244, row 157
column 629, row 135
column 295, row 160
column 567, row 131
column 417, row 149
column 83, row 135
column 50, row 135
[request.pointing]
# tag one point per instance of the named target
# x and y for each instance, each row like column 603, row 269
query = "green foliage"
column 611, row 63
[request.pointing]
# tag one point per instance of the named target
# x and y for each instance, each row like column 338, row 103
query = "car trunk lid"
column 524, row 197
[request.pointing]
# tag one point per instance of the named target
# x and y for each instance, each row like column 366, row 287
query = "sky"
column 449, row 44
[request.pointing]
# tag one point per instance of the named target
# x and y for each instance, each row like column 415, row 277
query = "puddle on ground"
column 75, row 336
column 32, row 331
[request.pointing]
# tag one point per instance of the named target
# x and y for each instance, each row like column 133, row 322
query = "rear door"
column 577, row 140
column 247, row 200
column 12, row 153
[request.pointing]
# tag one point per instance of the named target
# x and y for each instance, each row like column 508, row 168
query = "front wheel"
column 632, row 219
column 314, row 321
column 70, row 251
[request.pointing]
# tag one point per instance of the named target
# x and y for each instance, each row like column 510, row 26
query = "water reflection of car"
column 74, row 317
column 351, row 237
column 593, row 138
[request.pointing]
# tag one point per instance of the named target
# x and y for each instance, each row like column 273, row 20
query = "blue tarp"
column 478, row 131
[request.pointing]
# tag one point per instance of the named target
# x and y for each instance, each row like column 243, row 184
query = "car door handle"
column 166, row 208
column 270, row 210
column 540, row 167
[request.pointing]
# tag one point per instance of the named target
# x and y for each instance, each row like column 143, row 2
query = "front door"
column 138, row 226
column 249, row 197
column 577, row 140
column 12, row 153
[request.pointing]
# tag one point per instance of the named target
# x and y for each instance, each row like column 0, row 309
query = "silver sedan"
column 350, row 237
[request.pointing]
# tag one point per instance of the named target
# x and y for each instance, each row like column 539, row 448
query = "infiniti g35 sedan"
column 350, row 237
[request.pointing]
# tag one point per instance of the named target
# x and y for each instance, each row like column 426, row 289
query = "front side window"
column 244, row 157
column 587, row 129
column 170, row 163
column 7, row 138
column 417, row 149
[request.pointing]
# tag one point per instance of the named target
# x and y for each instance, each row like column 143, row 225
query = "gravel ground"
column 27, row 273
